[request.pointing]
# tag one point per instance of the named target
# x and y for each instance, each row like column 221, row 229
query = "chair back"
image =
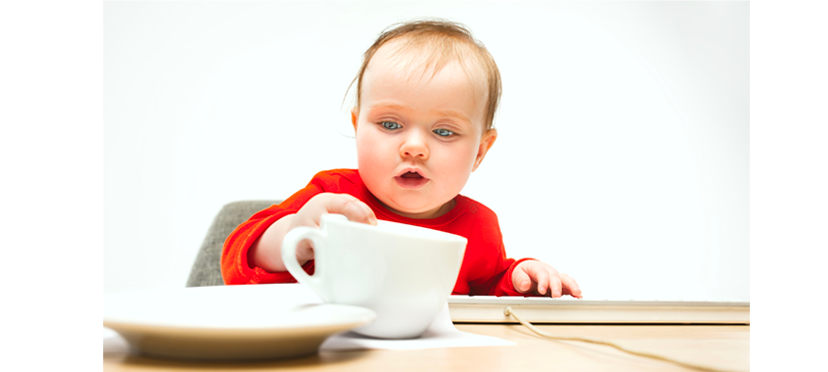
column 206, row 269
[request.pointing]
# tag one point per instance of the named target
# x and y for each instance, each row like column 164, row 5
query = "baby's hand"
column 539, row 278
column 311, row 213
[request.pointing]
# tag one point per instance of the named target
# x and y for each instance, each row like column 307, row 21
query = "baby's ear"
column 486, row 143
column 354, row 116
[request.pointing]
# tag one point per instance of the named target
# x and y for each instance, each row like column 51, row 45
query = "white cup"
column 404, row 273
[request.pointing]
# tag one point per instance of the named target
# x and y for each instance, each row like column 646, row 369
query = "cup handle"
column 291, row 240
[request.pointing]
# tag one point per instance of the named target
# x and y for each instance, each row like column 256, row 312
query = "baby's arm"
column 266, row 252
column 540, row 278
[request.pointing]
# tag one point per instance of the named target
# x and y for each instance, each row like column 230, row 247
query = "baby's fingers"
column 569, row 285
column 352, row 208
column 521, row 281
column 554, row 285
column 539, row 274
column 358, row 211
column 541, row 277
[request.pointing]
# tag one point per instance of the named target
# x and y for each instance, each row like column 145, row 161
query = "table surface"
column 724, row 347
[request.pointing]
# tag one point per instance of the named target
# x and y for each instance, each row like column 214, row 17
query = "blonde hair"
column 444, row 42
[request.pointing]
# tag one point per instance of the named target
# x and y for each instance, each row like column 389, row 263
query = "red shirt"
column 485, row 269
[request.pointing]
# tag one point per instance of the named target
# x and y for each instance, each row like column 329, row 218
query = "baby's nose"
column 415, row 153
column 414, row 147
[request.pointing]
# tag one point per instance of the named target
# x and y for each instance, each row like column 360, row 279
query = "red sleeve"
column 235, row 268
column 486, row 259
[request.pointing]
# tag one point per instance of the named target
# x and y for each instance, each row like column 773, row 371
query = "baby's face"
column 419, row 137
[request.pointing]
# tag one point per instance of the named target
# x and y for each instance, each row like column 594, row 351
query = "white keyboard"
column 489, row 309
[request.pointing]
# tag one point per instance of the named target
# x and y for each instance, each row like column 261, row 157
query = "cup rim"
column 331, row 218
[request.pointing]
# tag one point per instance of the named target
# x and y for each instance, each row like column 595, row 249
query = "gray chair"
column 206, row 270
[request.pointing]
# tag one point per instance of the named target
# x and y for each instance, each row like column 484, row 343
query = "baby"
column 426, row 97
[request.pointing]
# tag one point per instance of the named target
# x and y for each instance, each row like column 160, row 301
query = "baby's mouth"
column 411, row 180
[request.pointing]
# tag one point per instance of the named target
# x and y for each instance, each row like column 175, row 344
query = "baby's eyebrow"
column 455, row 114
column 396, row 106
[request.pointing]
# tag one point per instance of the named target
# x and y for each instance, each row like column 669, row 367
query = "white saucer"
column 228, row 322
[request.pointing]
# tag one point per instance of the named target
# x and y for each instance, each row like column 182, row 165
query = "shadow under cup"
column 404, row 273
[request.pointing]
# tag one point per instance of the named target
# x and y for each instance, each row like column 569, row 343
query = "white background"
column 622, row 157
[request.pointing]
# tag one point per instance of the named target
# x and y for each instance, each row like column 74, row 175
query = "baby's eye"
column 390, row 125
column 443, row 132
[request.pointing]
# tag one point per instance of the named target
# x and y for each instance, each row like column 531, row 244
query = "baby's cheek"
column 371, row 159
column 365, row 153
column 371, row 166
column 369, row 146
column 462, row 166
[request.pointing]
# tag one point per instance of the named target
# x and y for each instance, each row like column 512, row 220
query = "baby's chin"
column 412, row 209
